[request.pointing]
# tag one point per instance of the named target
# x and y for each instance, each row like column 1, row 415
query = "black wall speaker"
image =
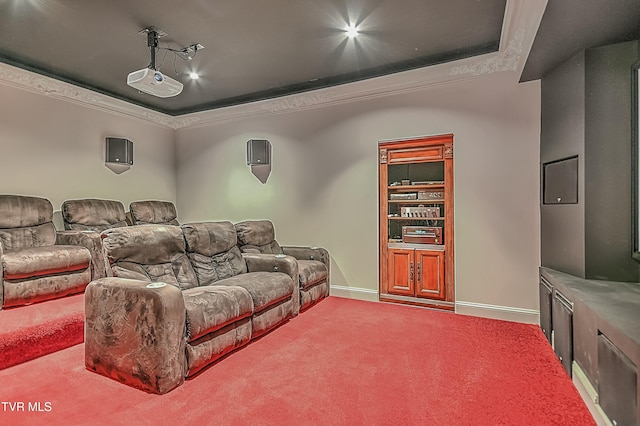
column 258, row 152
column 120, row 151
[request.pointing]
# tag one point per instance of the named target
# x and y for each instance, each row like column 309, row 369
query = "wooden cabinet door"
column 401, row 272
column 430, row 274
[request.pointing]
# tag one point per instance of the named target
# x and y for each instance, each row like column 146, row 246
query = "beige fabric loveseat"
column 177, row 299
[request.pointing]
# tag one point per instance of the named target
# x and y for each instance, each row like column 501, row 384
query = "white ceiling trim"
column 521, row 21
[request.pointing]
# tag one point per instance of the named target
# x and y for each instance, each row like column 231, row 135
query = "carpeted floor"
column 28, row 332
column 341, row 362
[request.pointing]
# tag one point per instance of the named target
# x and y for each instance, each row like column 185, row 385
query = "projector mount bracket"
column 153, row 34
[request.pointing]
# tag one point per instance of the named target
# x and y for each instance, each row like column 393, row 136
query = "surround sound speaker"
column 258, row 152
column 119, row 151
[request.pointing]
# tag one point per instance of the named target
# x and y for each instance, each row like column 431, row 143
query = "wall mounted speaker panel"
column 119, row 151
column 258, row 152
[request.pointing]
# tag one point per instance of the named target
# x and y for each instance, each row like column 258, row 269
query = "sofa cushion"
column 17, row 211
column 152, row 211
column 257, row 236
column 209, row 238
column 178, row 272
column 93, row 214
column 265, row 288
column 41, row 235
column 311, row 272
column 210, row 308
column 24, row 291
column 39, row 261
column 211, row 247
column 149, row 252
column 209, row 270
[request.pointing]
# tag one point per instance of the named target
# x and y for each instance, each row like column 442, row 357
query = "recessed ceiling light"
column 194, row 75
column 352, row 31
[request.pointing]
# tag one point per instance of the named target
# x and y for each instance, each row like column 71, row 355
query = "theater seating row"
column 41, row 263
column 162, row 300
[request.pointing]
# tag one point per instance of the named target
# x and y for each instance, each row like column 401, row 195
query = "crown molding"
column 520, row 24
column 40, row 84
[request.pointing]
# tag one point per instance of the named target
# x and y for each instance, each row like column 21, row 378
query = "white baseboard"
column 354, row 293
column 507, row 313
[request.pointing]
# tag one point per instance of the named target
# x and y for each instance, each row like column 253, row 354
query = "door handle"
column 419, row 271
column 411, row 271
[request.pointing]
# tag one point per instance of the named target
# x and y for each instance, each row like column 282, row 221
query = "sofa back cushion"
column 257, row 236
column 149, row 253
column 26, row 222
column 153, row 211
column 93, row 215
column 213, row 251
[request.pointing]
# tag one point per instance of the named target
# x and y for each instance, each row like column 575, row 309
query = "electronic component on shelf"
column 422, row 235
column 428, row 182
column 404, row 196
column 420, row 212
column 433, row 195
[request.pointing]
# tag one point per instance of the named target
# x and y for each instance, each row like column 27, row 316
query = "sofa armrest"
column 307, row 253
column 92, row 241
column 135, row 333
column 310, row 253
column 276, row 263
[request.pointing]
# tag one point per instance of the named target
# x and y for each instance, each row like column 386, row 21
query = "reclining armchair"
column 36, row 265
column 177, row 299
column 259, row 237
column 153, row 211
column 84, row 220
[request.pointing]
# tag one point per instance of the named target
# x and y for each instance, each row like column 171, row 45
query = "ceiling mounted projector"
column 154, row 83
column 149, row 80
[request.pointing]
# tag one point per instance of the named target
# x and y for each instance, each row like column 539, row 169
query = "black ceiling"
column 263, row 49
column 570, row 26
column 254, row 49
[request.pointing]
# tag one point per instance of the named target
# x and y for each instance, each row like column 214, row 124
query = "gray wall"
column 562, row 135
column 586, row 111
column 608, row 138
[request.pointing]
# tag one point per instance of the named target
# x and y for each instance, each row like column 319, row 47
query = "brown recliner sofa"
column 259, row 236
column 179, row 298
column 89, row 217
column 153, row 211
column 37, row 262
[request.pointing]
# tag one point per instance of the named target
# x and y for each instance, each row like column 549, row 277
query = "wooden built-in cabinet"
column 416, row 272
column 416, row 221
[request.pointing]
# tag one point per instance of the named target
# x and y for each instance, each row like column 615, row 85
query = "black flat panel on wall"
column 560, row 181
column 618, row 383
column 562, row 313
column 546, row 291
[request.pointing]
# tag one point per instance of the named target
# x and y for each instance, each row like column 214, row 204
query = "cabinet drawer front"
column 415, row 154
column 430, row 274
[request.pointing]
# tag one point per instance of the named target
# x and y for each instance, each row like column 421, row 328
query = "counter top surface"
column 618, row 303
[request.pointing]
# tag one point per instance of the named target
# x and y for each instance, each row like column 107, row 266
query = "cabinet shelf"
column 432, row 201
column 417, row 218
column 413, row 188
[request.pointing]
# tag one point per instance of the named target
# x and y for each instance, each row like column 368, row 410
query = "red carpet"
column 341, row 362
column 28, row 332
